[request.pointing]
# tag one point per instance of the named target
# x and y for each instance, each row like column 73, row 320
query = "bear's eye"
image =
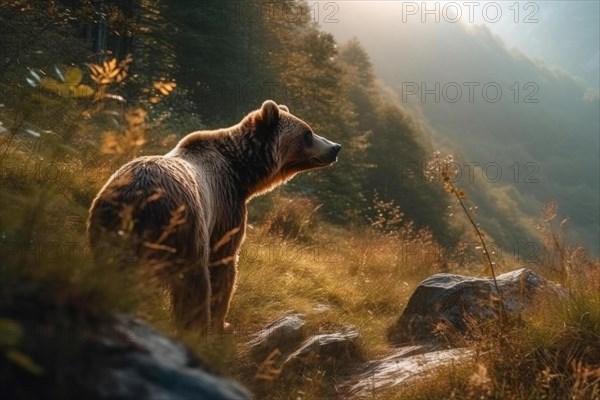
column 308, row 138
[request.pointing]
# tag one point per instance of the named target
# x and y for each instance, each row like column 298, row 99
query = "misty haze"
column 510, row 89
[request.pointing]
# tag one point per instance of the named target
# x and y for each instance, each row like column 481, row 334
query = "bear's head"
column 289, row 144
column 267, row 148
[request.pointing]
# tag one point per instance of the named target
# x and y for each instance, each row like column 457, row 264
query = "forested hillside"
column 545, row 142
column 225, row 59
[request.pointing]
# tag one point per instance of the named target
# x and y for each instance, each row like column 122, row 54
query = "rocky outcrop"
column 110, row 358
column 446, row 303
column 283, row 352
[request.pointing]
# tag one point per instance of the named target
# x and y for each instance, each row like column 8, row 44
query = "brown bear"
column 183, row 215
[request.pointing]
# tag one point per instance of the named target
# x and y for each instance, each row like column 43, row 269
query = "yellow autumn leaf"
column 46, row 101
column 95, row 78
column 123, row 70
column 73, row 76
column 109, row 66
column 96, row 72
column 113, row 73
column 134, row 139
column 95, row 69
column 50, row 84
column 64, row 90
column 135, row 114
column 110, row 144
column 83, row 91
column 56, row 87
column 165, row 88
column 24, row 361
column 127, row 60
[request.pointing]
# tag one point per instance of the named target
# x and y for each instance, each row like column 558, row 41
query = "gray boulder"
column 113, row 357
column 327, row 351
column 446, row 303
column 284, row 334
column 156, row 367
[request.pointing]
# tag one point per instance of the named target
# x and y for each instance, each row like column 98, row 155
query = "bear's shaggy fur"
column 184, row 214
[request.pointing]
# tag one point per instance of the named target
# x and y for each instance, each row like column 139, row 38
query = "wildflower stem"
column 485, row 250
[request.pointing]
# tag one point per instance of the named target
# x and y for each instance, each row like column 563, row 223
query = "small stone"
column 283, row 334
column 326, row 350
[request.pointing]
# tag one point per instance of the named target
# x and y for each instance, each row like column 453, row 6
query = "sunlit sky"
column 565, row 34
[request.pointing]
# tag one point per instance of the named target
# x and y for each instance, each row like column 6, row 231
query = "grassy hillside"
column 294, row 261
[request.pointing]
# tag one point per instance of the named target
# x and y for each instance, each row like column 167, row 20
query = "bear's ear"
column 284, row 108
column 269, row 114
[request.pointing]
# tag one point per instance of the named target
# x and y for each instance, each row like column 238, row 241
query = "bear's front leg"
column 222, row 282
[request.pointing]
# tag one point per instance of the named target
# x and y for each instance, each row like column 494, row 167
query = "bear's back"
column 151, row 202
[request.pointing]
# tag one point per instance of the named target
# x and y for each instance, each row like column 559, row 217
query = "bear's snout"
column 325, row 151
column 333, row 152
column 336, row 149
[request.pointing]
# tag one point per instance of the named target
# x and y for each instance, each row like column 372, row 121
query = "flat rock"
column 402, row 367
column 449, row 303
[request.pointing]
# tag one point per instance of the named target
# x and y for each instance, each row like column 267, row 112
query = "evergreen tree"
column 396, row 149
